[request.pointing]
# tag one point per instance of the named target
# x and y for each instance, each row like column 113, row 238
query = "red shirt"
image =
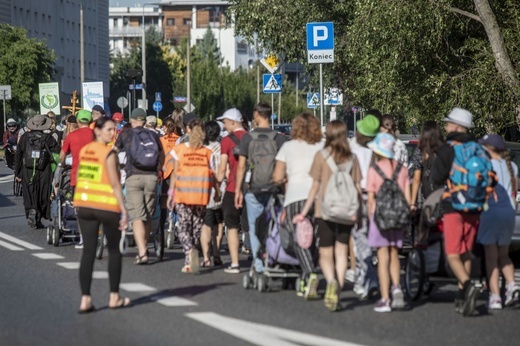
column 73, row 144
column 227, row 146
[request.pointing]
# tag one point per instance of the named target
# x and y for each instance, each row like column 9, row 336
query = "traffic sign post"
column 122, row 102
column 272, row 83
column 313, row 100
column 157, row 106
column 320, row 49
column 5, row 94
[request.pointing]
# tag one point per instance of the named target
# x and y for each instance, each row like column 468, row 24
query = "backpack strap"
column 333, row 165
column 396, row 171
column 379, row 171
column 234, row 138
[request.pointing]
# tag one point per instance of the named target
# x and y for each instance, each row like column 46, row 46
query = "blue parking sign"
column 320, row 42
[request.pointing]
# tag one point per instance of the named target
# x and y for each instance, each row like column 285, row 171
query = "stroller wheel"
column 169, row 240
column 261, row 284
column 414, row 274
column 49, row 234
column 246, row 282
column 55, row 236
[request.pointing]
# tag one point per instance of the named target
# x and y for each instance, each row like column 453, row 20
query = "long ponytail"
column 514, row 186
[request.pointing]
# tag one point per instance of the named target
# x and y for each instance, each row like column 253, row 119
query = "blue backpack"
column 470, row 178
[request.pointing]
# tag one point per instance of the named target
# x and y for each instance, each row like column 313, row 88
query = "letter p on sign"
column 320, row 33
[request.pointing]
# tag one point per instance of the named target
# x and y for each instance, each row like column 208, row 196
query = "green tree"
column 24, row 63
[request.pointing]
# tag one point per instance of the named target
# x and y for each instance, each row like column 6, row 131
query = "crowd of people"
column 348, row 196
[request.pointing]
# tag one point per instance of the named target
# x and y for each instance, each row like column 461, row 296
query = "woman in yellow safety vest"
column 99, row 199
column 190, row 188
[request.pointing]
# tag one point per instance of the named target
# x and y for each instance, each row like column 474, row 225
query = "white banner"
column 49, row 98
column 91, row 95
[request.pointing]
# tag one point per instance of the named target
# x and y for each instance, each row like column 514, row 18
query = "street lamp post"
column 143, row 55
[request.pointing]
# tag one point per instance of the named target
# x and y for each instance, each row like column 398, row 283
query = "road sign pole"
column 321, row 94
column 272, row 106
column 354, row 123
column 5, row 125
column 129, row 106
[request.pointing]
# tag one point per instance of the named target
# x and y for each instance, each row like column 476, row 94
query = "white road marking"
column 69, row 265
column 136, row 287
column 10, row 246
column 176, row 301
column 47, row 256
column 20, row 242
column 100, row 275
column 261, row 334
column 7, row 179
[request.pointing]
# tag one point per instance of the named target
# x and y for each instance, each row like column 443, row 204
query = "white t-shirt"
column 364, row 156
column 298, row 156
column 504, row 178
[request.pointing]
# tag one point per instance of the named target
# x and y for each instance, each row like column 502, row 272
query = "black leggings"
column 89, row 221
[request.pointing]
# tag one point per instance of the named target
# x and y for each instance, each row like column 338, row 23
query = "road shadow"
column 5, row 201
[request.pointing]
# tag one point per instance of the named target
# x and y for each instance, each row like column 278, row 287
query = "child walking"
column 387, row 242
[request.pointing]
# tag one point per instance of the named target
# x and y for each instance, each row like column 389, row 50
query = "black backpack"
column 392, row 210
column 37, row 155
column 426, row 182
column 236, row 148
column 144, row 150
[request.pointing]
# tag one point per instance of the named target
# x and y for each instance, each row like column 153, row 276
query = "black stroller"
column 64, row 220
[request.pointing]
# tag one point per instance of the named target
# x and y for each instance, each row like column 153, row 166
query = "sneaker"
column 397, row 298
column 470, row 295
column 350, row 276
column 495, row 302
column 79, row 246
column 512, row 295
column 194, row 261
column 311, row 290
column 31, row 218
column 331, row 295
column 383, row 306
column 232, row 270
column 186, row 269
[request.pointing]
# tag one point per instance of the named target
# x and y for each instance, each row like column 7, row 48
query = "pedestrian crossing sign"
column 272, row 83
column 313, row 100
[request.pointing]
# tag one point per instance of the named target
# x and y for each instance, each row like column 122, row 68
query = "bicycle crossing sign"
column 272, row 83
column 313, row 100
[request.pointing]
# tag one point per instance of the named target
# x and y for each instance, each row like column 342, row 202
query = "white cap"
column 460, row 117
column 151, row 120
column 10, row 121
column 231, row 114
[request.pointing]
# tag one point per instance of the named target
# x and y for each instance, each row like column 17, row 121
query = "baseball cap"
column 99, row 109
column 11, row 121
column 368, row 126
column 494, row 140
column 138, row 114
column 231, row 114
column 117, row 116
column 151, row 120
column 84, row 116
column 188, row 117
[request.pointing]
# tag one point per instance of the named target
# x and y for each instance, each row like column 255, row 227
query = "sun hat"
column 117, row 116
column 138, row 114
column 383, row 145
column 231, row 114
column 494, row 140
column 99, row 109
column 84, row 116
column 151, row 120
column 368, row 126
column 460, row 117
column 39, row 122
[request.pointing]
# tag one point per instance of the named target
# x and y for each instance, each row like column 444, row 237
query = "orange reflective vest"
column 93, row 188
column 193, row 176
column 168, row 143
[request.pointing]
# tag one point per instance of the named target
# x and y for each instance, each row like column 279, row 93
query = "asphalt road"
column 40, row 295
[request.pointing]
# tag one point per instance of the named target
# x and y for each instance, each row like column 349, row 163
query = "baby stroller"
column 426, row 261
column 65, row 223
column 282, row 270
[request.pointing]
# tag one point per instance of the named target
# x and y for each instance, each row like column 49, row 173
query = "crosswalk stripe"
column 20, row 242
column 176, row 301
column 69, row 265
column 136, row 287
column 100, row 275
column 47, row 256
column 10, row 246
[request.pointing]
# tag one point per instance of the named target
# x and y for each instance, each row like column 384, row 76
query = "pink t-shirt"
column 374, row 180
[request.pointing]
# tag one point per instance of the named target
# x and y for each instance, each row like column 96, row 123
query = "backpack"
column 144, row 150
column 340, row 203
column 392, row 210
column 262, row 152
column 236, row 148
column 470, row 177
column 426, row 183
column 37, row 155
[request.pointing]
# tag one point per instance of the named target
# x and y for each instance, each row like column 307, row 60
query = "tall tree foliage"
column 24, row 63
column 416, row 58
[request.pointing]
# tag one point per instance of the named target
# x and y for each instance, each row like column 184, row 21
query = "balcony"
column 131, row 31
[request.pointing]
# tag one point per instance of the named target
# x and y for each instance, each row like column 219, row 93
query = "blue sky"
column 129, row 3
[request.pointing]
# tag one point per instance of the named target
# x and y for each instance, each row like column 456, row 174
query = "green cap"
column 368, row 126
column 138, row 114
column 84, row 116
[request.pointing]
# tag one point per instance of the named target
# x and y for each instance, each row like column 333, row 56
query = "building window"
column 214, row 16
column 170, row 21
column 242, row 47
column 115, row 22
column 186, row 21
